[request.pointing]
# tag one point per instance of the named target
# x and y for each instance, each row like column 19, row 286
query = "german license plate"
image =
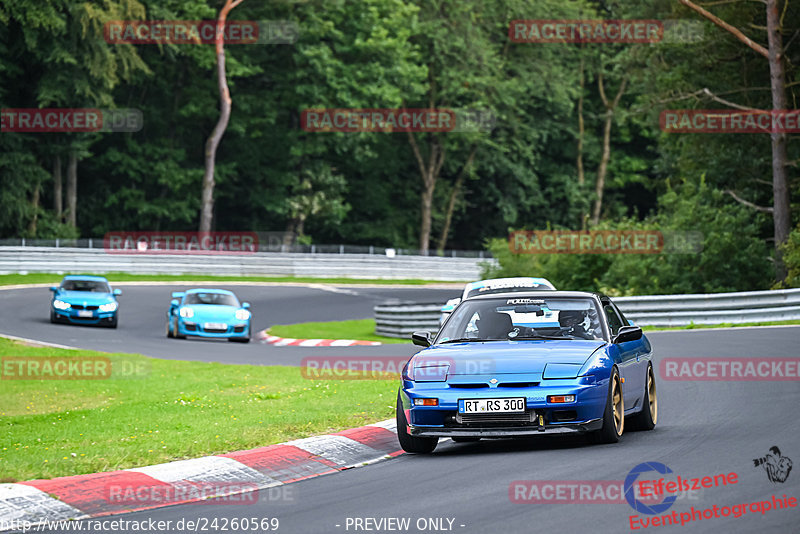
column 511, row 405
column 215, row 326
column 85, row 313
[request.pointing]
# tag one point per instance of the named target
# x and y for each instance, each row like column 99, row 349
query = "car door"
column 628, row 365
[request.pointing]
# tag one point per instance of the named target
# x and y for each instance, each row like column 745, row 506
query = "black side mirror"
column 627, row 333
column 422, row 338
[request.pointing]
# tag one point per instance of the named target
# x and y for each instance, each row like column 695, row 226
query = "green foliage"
column 791, row 255
column 732, row 258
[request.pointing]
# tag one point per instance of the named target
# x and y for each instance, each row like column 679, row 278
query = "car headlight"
column 61, row 305
column 108, row 307
column 187, row 313
column 432, row 373
column 242, row 315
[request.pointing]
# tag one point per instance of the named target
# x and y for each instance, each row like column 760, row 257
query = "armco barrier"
column 400, row 320
column 86, row 260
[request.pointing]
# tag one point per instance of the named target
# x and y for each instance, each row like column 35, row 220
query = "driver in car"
column 571, row 323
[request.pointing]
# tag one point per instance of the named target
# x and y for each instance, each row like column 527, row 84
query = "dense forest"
column 575, row 141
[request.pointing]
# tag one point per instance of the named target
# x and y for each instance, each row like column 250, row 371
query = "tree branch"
column 748, row 203
column 727, row 27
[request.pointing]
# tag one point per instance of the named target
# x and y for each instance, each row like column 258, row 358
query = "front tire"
column 169, row 330
column 53, row 317
column 113, row 323
column 648, row 417
column 239, row 339
column 408, row 442
column 175, row 333
column 614, row 414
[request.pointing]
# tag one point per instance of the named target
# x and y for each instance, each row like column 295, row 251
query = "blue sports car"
column 528, row 363
column 214, row 313
column 84, row 300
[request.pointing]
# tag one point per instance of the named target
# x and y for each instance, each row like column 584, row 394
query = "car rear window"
column 220, row 299
column 85, row 285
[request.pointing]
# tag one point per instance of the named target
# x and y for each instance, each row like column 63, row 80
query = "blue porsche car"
column 214, row 313
column 87, row 300
column 527, row 364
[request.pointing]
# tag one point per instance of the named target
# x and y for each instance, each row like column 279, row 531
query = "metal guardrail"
column 86, row 260
column 400, row 320
column 269, row 244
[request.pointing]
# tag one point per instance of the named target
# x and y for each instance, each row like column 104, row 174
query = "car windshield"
column 500, row 319
column 516, row 288
column 220, row 299
column 85, row 285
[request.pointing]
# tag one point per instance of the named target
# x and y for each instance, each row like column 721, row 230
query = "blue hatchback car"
column 214, row 313
column 527, row 364
column 87, row 300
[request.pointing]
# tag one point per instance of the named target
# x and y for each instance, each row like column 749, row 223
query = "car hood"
column 514, row 357
column 81, row 297
column 212, row 312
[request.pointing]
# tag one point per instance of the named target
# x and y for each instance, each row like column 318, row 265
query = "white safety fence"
column 86, row 260
column 400, row 320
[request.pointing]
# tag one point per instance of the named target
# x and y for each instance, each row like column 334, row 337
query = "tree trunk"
column 781, row 217
column 58, row 203
column 72, row 189
column 451, row 204
column 581, row 128
column 35, row 206
column 429, row 173
column 602, row 169
column 207, row 197
column 781, row 212
column 581, row 133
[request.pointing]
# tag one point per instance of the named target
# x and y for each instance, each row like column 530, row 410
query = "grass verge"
column 360, row 329
column 50, row 278
column 172, row 410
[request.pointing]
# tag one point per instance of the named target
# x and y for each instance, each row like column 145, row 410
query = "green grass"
column 180, row 410
column 361, row 329
column 49, row 278
column 722, row 325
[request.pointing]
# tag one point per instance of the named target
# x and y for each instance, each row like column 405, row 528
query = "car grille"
column 472, row 418
column 215, row 330
column 82, row 307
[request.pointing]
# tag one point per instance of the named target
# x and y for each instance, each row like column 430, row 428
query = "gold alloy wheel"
column 651, row 395
column 619, row 406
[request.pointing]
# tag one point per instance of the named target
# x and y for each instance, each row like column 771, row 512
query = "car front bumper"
column 540, row 416
column 71, row 315
column 193, row 328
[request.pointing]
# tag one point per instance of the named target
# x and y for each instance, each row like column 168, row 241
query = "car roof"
column 491, row 281
column 540, row 295
column 88, row 278
column 203, row 290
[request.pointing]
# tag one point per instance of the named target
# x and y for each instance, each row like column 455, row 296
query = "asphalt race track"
column 25, row 313
column 705, row 428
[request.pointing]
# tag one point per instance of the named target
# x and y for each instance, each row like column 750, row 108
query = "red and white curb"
column 291, row 342
column 83, row 496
